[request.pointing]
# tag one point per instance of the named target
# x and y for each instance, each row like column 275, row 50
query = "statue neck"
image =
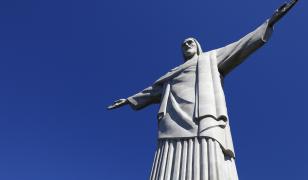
column 191, row 57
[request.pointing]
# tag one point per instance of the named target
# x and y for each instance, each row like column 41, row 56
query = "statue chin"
column 190, row 52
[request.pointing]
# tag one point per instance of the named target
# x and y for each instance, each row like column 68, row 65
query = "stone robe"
column 191, row 97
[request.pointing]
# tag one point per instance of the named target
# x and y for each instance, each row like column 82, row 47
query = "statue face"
column 189, row 48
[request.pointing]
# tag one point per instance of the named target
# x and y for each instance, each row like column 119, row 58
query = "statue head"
column 190, row 48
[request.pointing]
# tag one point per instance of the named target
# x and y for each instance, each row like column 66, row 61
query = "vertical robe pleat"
column 161, row 149
column 184, row 160
column 204, row 160
column 156, row 160
column 169, row 161
column 163, row 161
column 189, row 160
column 198, row 158
column 177, row 161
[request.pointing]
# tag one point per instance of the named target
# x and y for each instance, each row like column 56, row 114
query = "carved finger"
column 110, row 107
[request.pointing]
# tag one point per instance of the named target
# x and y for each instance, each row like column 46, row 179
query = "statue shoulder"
column 210, row 53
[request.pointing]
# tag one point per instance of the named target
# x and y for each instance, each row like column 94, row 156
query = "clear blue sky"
column 62, row 62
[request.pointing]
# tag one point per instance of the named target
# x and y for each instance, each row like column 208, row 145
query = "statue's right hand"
column 281, row 11
column 117, row 104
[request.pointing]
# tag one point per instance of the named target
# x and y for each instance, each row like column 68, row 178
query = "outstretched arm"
column 232, row 55
column 140, row 100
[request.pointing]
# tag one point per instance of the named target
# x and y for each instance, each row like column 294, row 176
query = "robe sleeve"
column 232, row 55
column 150, row 95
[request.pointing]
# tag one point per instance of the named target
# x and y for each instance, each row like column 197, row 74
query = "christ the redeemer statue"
column 194, row 138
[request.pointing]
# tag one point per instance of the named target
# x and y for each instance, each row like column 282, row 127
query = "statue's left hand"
column 118, row 103
column 281, row 11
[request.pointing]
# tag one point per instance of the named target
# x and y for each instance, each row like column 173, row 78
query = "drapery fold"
column 196, row 158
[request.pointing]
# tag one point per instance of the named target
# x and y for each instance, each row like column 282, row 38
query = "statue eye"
column 190, row 42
